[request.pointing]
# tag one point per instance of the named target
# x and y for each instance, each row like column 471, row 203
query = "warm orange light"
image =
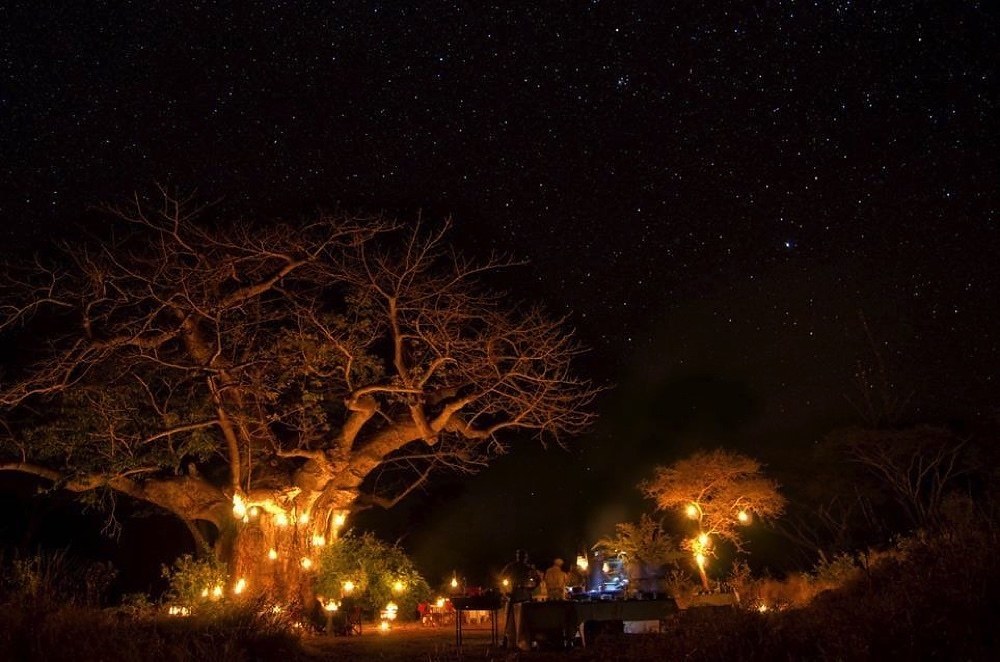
column 217, row 591
column 762, row 608
column 391, row 611
column 439, row 603
column 241, row 585
column 304, row 518
column 699, row 558
column 506, row 582
column 384, row 626
column 254, row 511
column 692, row 511
column 743, row 516
column 306, row 562
column 239, row 506
column 319, row 541
column 348, row 586
column 281, row 519
column 454, row 582
column 204, row 592
column 582, row 563
column 339, row 519
column 272, row 554
column 331, row 606
column 703, row 539
column 398, row 586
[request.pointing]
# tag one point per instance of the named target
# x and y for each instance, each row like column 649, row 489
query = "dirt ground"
column 408, row 641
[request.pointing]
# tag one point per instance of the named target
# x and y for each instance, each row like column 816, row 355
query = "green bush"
column 374, row 567
column 195, row 583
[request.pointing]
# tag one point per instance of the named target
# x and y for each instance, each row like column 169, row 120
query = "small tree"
column 647, row 548
column 721, row 491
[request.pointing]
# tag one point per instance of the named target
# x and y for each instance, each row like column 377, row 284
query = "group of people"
column 526, row 582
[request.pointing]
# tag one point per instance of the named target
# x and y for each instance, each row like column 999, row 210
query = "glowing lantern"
column 743, row 516
column 204, row 592
column 217, row 591
column 239, row 506
column 319, row 541
column 398, row 586
column 692, row 511
column 306, row 562
column 339, row 519
column 582, row 563
column 272, row 554
column 506, row 582
column 454, row 582
column 331, row 606
column 281, row 519
column 391, row 610
column 241, row 585
column 439, row 603
column 348, row 586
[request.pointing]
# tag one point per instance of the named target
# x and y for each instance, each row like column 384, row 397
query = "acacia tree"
column 263, row 382
column 721, row 491
column 916, row 466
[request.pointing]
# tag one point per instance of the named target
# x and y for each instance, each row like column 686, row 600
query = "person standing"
column 521, row 579
column 555, row 581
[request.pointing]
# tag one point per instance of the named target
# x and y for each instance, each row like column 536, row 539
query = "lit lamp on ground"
column 388, row 615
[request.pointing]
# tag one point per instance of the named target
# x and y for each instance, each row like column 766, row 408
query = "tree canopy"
column 232, row 368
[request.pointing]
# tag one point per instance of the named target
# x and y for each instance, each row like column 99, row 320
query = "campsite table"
column 561, row 619
column 490, row 603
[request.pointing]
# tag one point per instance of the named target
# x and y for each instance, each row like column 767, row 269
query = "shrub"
column 374, row 567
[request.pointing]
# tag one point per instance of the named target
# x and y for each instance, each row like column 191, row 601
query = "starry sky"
column 715, row 193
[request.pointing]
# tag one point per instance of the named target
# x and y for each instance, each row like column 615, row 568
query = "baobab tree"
column 262, row 382
column 722, row 492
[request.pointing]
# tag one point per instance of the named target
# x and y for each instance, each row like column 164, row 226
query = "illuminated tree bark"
column 260, row 382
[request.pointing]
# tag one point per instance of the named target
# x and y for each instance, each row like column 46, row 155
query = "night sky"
column 714, row 193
